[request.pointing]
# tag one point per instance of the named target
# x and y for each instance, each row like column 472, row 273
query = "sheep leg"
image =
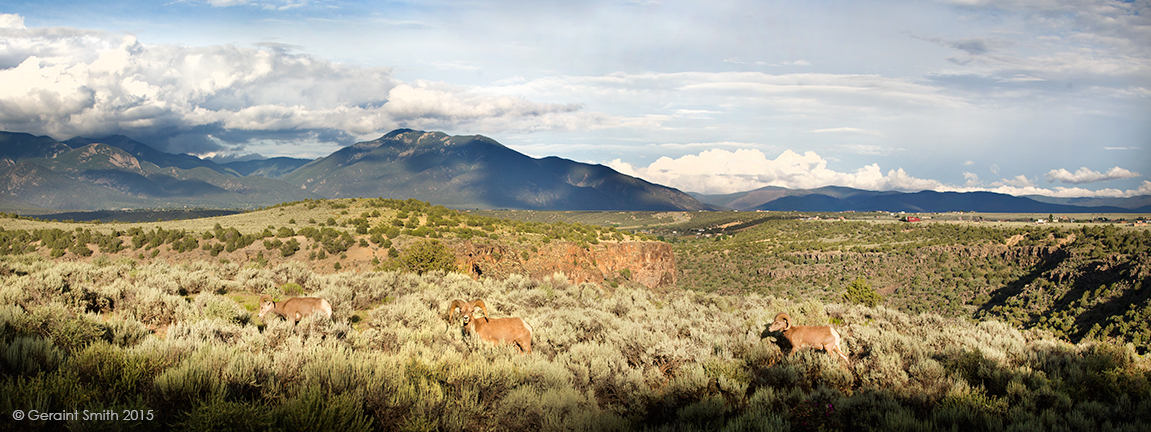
column 835, row 348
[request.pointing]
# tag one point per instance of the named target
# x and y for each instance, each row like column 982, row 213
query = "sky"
column 1049, row 97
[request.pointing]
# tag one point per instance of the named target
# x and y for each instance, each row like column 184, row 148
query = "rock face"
column 650, row 264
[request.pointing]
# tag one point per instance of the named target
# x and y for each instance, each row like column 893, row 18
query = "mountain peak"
column 469, row 171
column 398, row 132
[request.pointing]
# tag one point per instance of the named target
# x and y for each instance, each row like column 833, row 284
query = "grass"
column 628, row 359
column 149, row 327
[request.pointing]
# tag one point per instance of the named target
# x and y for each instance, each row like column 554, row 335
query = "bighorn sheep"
column 502, row 330
column 295, row 309
column 821, row 337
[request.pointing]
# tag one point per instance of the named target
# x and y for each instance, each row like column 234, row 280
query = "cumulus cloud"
column 1067, row 192
column 1019, row 181
column 722, row 171
column 972, row 179
column 11, row 21
column 69, row 82
column 1085, row 175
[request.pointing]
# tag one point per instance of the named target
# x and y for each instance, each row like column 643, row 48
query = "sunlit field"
column 178, row 338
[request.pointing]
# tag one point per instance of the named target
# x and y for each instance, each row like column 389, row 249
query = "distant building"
column 910, row 219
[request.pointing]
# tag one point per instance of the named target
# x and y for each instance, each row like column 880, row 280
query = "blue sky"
column 1018, row 96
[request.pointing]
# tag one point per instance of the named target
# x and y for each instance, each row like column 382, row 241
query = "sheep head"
column 782, row 322
column 500, row 330
column 465, row 309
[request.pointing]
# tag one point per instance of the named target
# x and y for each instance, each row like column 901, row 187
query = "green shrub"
column 222, row 414
column 292, row 289
column 30, row 356
column 860, row 292
column 428, row 256
column 314, row 410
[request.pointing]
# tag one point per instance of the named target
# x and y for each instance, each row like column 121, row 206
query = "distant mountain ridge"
column 116, row 172
column 460, row 171
column 838, row 199
column 100, row 176
column 477, row 171
column 146, row 153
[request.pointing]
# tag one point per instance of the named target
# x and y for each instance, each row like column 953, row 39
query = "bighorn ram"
column 502, row 330
column 821, row 337
column 295, row 309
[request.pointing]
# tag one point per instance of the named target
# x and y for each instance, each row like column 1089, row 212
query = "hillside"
column 164, row 321
column 15, row 147
column 478, row 172
column 276, row 167
column 100, row 176
column 460, row 172
column 1078, row 281
column 359, row 235
column 146, row 153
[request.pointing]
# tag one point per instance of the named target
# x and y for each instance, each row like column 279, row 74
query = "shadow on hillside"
column 1000, row 296
column 1095, row 276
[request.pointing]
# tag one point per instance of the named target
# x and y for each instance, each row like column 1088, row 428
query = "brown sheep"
column 295, row 309
column 818, row 337
column 501, row 330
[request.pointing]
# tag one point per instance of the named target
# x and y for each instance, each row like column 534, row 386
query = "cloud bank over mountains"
column 1006, row 96
column 722, row 172
column 198, row 100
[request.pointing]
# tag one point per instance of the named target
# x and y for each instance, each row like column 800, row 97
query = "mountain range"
column 116, row 172
column 459, row 171
column 838, row 199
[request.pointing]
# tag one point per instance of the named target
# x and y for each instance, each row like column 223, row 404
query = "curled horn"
column 480, row 304
column 785, row 317
column 457, row 306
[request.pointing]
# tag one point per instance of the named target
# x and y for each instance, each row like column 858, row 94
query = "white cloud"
column 972, row 179
column 1066, row 192
column 1019, row 181
column 68, row 82
column 1085, row 175
column 11, row 21
column 722, row 171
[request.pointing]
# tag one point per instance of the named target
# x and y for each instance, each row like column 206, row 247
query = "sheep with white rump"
column 818, row 337
column 295, row 309
column 501, row 330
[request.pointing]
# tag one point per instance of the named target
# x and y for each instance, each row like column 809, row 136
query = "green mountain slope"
column 476, row 171
column 15, row 147
column 100, row 176
column 146, row 153
column 31, row 184
column 271, row 168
